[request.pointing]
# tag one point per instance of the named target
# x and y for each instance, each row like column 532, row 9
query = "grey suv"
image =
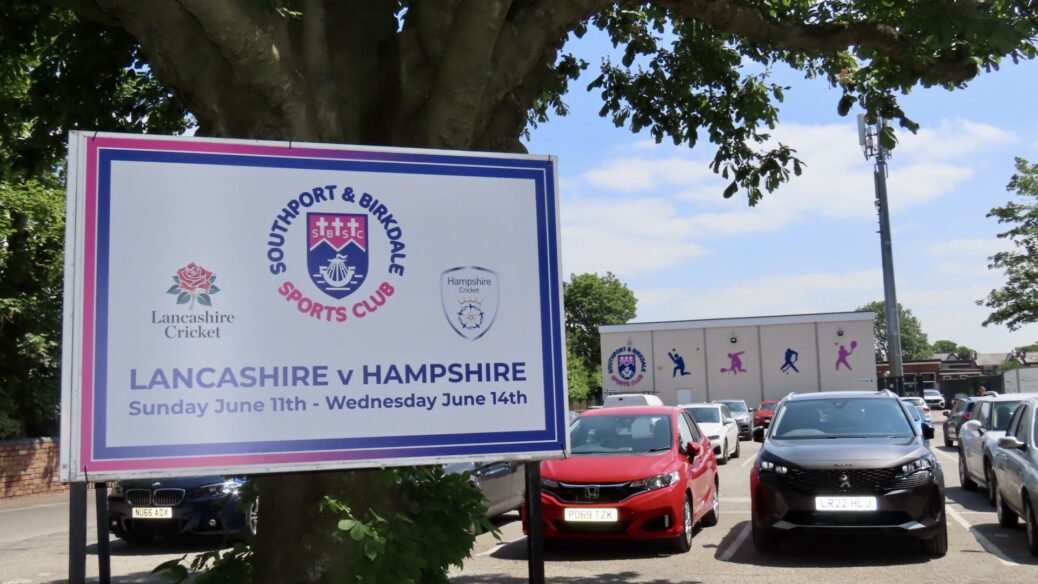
column 742, row 415
column 846, row 462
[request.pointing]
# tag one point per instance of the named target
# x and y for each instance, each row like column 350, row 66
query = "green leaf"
column 347, row 524
column 204, row 300
column 184, row 298
column 213, row 289
column 174, row 289
column 731, row 190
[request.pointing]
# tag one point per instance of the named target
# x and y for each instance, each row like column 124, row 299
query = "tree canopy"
column 454, row 74
column 946, row 346
column 914, row 343
column 592, row 300
column 1016, row 303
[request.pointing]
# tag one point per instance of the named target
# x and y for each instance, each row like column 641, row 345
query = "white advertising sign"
column 241, row 306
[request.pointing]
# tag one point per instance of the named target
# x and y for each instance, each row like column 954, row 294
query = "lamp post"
column 871, row 143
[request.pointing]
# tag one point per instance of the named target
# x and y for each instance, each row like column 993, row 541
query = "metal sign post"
column 535, row 524
column 77, row 529
column 104, row 556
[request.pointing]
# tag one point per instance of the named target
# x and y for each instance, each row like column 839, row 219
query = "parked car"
column 503, row 483
column 631, row 399
column 919, row 404
column 934, row 398
column 716, row 420
column 959, row 414
column 1016, row 472
column 742, row 414
column 762, row 416
column 919, row 423
column 643, row 472
column 978, row 439
column 141, row 509
column 846, row 462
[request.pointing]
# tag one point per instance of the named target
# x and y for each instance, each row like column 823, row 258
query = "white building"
column 754, row 359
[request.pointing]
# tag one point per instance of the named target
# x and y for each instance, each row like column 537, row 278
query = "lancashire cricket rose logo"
column 337, row 252
column 194, row 284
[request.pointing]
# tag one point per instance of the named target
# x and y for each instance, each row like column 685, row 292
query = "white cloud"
column 951, row 140
column 971, row 247
column 788, row 294
column 642, row 174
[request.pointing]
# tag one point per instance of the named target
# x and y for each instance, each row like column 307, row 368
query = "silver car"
column 1016, row 472
column 920, row 405
column 978, row 439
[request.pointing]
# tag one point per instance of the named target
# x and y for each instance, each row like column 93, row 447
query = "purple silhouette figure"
column 736, row 364
column 844, row 353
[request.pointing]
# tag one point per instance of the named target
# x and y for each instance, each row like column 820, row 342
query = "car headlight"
column 549, row 483
column 657, row 482
column 922, row 464
column 218, row 489
column 768, row 466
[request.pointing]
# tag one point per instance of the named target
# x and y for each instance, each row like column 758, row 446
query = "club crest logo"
column 193, row 283
column 626, row 366
column 337, row 252
column 470, row 297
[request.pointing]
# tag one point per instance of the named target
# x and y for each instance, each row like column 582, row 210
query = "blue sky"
column 654, row 214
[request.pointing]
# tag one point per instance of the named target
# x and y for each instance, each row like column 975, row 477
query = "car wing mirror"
column 758, row 434
column 692, row 449
column 928, row 431
column 945, row 414
column 1010, row 442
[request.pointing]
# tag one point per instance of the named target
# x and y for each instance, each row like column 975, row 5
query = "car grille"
column 871, row 480
column 871, row 518
column 158, row 497
column 593, row 493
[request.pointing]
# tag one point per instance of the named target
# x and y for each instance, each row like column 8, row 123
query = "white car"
column 717, row 423
column 934, row 398
column 978, row 439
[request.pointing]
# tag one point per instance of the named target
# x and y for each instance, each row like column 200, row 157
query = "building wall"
column 737, row 360
column 29, row 467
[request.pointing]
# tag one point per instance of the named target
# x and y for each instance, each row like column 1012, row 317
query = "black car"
column 140, row 509
column 960, row 413
column 846, row 462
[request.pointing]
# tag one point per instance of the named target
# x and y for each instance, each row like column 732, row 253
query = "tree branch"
column 749, row 23
column 447, row 118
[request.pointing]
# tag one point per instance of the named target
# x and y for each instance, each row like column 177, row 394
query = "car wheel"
column 1031, row 517
column 252, row 519
column 937, row 545
column 712, row 516
column 683, row 542
column 1006, row 517
column 989, row 480
column 724, row 454
column 947, row 441
column 765, row 540
column 738, row 449
column 964, row 475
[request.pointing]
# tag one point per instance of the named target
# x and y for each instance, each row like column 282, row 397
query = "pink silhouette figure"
column 736, row 364
column 844, row 353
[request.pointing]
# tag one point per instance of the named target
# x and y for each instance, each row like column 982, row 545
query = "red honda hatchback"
column 640, row 472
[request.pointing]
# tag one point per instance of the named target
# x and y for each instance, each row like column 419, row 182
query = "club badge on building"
column 470, row 297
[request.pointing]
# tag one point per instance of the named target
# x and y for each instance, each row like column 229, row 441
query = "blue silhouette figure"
column 679, row 363
column 791, row 359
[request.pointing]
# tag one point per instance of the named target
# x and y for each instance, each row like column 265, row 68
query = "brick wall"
column 29, row 467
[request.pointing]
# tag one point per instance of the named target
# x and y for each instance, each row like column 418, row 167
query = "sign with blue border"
column 242, row 307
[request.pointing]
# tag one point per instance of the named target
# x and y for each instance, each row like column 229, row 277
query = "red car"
column 762, row 417
column 640, row 472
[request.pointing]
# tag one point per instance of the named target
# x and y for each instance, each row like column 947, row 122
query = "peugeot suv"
column 846, row 462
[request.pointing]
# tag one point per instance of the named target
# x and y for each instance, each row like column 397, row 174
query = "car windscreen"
column 841, row 418
column 705, row 415
column 1001, row 414
column 736, row 407
column 621, row 434
column 931, row 393
column 768, row 407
